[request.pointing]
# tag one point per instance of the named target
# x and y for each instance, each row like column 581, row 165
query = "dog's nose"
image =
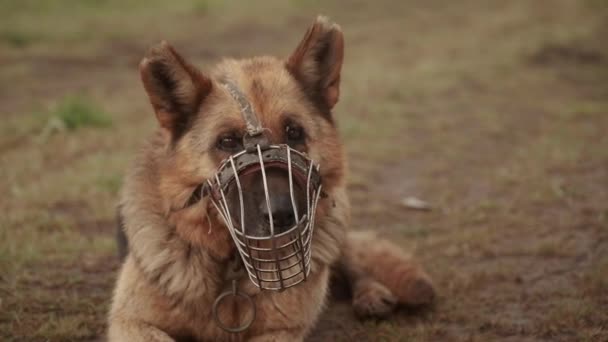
column 282, row 212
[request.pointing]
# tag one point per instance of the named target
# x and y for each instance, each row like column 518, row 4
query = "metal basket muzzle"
column 280, row 259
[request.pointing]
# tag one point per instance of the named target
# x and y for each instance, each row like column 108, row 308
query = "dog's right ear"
column 176, row 88
column 317, row 61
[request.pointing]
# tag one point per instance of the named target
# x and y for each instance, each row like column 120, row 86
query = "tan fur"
column 179, row 257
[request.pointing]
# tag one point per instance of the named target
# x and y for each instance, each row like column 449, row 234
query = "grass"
column 18, row 39
column 493, row 113
column 76, row 112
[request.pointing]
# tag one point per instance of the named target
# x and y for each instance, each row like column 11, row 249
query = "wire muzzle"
column 281, row 258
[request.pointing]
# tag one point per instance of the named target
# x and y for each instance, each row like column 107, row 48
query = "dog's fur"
column 178, row 257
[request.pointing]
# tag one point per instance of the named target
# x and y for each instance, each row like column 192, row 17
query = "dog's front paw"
column 372, row 299
column 417, row 291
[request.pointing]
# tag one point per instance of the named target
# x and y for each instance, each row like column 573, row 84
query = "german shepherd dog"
column 179, row 256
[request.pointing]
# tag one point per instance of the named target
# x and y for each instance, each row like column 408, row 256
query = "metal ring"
column 221, row 324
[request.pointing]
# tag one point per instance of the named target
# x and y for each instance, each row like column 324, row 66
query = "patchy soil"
column 496, row 114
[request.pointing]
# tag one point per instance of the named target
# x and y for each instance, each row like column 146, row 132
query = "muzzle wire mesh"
column 279, row 260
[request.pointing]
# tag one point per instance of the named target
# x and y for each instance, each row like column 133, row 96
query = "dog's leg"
column 369, row 297
column 133, row 314
column 381, row 276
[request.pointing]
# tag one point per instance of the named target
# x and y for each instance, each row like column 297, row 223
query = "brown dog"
column 180, row 255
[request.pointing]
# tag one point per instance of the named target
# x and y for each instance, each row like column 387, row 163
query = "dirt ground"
column 495, row 112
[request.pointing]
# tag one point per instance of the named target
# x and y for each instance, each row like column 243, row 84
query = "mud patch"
column 557, row 54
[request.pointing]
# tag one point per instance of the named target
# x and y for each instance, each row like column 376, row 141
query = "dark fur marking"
column 164, row 79
column 184, row 338
column 121, row 238
column 315, row 96
column 188, row 254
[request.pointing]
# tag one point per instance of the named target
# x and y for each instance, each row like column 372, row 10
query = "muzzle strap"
column 199, row 192
column 255, row 132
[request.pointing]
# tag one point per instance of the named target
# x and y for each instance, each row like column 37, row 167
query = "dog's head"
column 202, row 124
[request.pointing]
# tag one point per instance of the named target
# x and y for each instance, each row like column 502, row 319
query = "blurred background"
column 495, row 113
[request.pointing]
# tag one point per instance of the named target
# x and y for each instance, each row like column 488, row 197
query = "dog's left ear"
column 175, row 87
column 317, row 61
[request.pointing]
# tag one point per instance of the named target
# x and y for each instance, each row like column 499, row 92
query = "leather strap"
column 254, row 127
column 255, row 135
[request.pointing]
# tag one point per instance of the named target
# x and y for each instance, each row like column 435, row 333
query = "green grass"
column 18, row 39
column 75, row 112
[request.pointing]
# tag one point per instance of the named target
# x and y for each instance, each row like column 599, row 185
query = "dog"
column 181, row 252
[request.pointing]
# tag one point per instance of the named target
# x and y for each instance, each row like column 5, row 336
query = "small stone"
column 415, row 203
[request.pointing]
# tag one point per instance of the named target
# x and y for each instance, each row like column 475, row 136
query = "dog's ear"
column 317, row 61
column 175, row 87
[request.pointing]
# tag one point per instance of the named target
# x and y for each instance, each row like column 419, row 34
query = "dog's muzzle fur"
column 267, row 197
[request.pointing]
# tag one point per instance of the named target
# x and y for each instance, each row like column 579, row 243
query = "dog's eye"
column 229, row 143
column 295, row 134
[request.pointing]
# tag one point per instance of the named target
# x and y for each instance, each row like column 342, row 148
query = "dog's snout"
column 282, row 213
column 255, row 215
